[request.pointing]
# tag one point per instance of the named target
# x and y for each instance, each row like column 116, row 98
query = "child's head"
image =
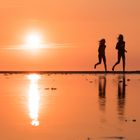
column 120, row 37
column 102, row 41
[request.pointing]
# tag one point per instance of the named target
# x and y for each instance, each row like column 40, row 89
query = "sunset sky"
column 69, row 31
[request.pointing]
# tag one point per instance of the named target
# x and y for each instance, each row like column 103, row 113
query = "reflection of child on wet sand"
column 101, row 54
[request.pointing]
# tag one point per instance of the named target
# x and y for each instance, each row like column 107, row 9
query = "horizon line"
column 68, row 72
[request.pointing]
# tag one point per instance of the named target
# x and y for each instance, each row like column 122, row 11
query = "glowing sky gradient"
column 72, row 28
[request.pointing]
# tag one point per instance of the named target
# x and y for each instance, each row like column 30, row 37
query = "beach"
column 65, row 106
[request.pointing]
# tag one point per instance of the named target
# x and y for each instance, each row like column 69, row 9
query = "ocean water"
column 69, row 106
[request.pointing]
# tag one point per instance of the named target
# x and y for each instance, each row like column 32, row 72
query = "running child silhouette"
column 101, row 54
column 120, row 46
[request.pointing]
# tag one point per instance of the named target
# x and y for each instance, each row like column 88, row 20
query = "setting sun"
column 33, row 40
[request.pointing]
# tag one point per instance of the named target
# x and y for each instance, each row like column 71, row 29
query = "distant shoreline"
column 70, row 72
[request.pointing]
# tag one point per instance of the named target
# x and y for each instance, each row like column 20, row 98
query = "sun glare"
column 34, row 99
column 33, row 40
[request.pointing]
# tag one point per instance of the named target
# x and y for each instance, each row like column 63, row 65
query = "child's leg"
column 100, row 60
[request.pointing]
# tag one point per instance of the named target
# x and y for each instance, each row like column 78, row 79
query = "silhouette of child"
column 120, row 46
column 101, row 54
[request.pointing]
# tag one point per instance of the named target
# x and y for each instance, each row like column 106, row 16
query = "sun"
column 33, row 40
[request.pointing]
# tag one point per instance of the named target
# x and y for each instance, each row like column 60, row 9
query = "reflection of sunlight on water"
column 34, row 97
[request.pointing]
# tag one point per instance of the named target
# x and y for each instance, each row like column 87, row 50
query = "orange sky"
column 73, row 27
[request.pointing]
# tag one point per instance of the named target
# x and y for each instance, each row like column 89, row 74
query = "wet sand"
column 69, row 106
